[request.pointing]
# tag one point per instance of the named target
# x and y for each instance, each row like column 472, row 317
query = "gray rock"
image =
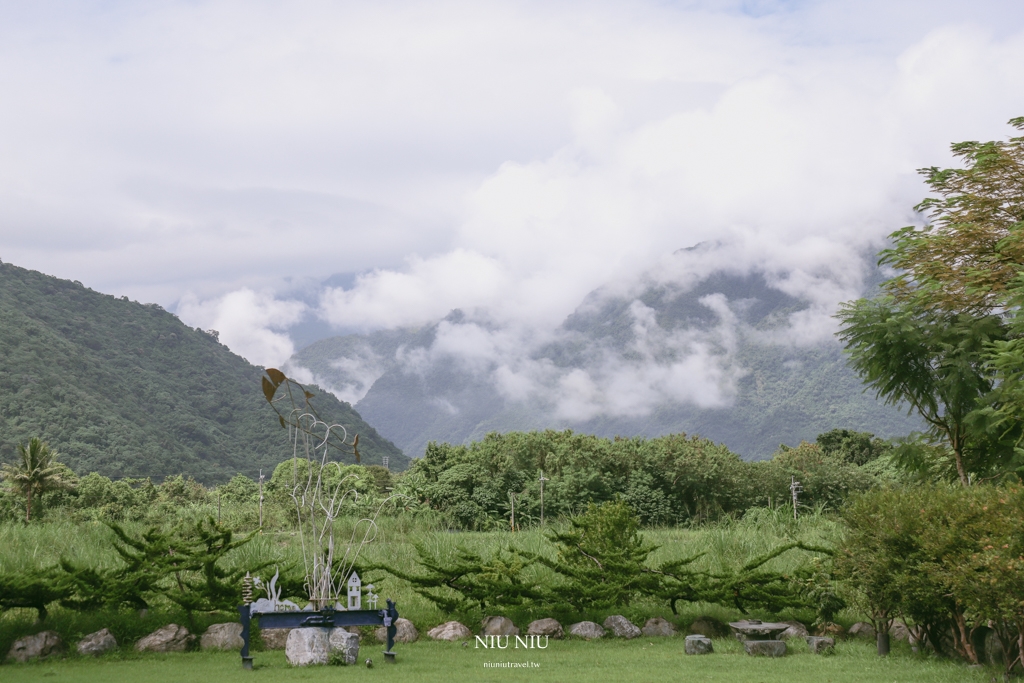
column 709, row 626
column 862, row 629
column 795, row 630
column 657, row 626
column 821, row 645
column 38, row 646
column 274, row 638
column 498, row 626
column 621, row 627
column 698, row 645
column 405, row 632
column 306, row 646
column 899, row 631
column 344, row 646
column 765, row 648
column 357, row 630
column 97, row 643
column 222, row 637
column 586, row 629
column 545, row 627
column 451, row 631
column 170, row 638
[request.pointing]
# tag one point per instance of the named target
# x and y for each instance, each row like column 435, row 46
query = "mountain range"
column 713, row 356
column 127, row 389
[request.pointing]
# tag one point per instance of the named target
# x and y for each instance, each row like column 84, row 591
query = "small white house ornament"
column 355, row 593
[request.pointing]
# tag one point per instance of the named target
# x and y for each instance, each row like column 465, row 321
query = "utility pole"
column 512, row 497
column 218, row 505
column 796, row 488
column 542, row 480
column 261, row 501
column 384, row 461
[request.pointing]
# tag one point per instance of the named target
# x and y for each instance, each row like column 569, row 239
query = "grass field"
column 654, row 660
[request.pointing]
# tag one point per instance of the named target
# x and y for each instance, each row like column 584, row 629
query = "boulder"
column 621, row 627
column 97, row 643
column 899, row 631
column 38, row 646
column 709, row 626
column 344, row 646
column 405, row 632
column 795, row 630
column 307, row 646
column 498, row 626
column 765, row 648
column 657, row 626
column 170, row 638
column 862, row 629
column 821, row 645
column 545, row 627
column 274, row 638
column 222, row 637
column 450, row 630
column 586, row 629
column 698, row 645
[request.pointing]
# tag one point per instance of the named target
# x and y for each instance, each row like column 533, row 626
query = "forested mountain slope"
column 126, row 389
column 783, row 393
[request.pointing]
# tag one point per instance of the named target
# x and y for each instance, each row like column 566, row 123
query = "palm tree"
column 37, row 472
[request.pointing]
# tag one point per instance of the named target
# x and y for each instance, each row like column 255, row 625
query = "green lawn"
column 643, row 659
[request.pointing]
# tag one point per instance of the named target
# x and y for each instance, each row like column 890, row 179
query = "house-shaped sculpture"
column 355, row 592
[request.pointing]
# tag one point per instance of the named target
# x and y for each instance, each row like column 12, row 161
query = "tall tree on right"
column 946, row 336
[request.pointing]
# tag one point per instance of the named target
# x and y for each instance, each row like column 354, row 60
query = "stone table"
column 760, row 637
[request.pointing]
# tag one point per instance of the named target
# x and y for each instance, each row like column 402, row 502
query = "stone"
column 795, row 630
column 621, row 627
column 899, row 631
column 821, row 645
column 545, row 627
column 656, row 626
column 586, row 629
column 710, row 627
column 498, row 626
column 357, row 630
column 344, row 646
column 222, row 637
column 765, row 648
column 38, row 646
column 862, row 629
column 97, row 643
column 274, row 638
column 698, row 645
column 405, row 632
column 451, row 631
column 306, row 646
column 170, row 638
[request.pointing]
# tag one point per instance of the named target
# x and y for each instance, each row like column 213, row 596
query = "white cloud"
column 502, row 158
column 245, row 321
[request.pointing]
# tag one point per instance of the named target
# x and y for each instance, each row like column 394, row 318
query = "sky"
column 253, row 165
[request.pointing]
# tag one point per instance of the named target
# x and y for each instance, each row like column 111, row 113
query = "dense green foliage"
column 668, row 480
column 128, row 390
column 948, row 561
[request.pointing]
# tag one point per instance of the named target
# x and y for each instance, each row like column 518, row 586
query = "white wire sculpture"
column 320, row 498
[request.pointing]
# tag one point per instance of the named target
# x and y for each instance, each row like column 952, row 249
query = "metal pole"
column 261, row 501
column 542, row 480
column 512, row 497
column 218, row 506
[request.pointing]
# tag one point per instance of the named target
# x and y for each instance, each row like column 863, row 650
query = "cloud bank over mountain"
column 503, row 159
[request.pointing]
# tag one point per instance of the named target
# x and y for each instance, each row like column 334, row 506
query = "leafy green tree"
column 933, row 362
column 36, row 473
column 855, row 448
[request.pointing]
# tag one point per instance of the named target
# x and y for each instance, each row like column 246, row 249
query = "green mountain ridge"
column 128, row 390
column 784, row 394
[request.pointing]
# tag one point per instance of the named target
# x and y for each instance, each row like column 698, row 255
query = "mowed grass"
column 643, row 659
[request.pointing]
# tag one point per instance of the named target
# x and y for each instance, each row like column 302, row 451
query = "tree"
column 970, row 252
column 37, row 472
column 935, row 362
